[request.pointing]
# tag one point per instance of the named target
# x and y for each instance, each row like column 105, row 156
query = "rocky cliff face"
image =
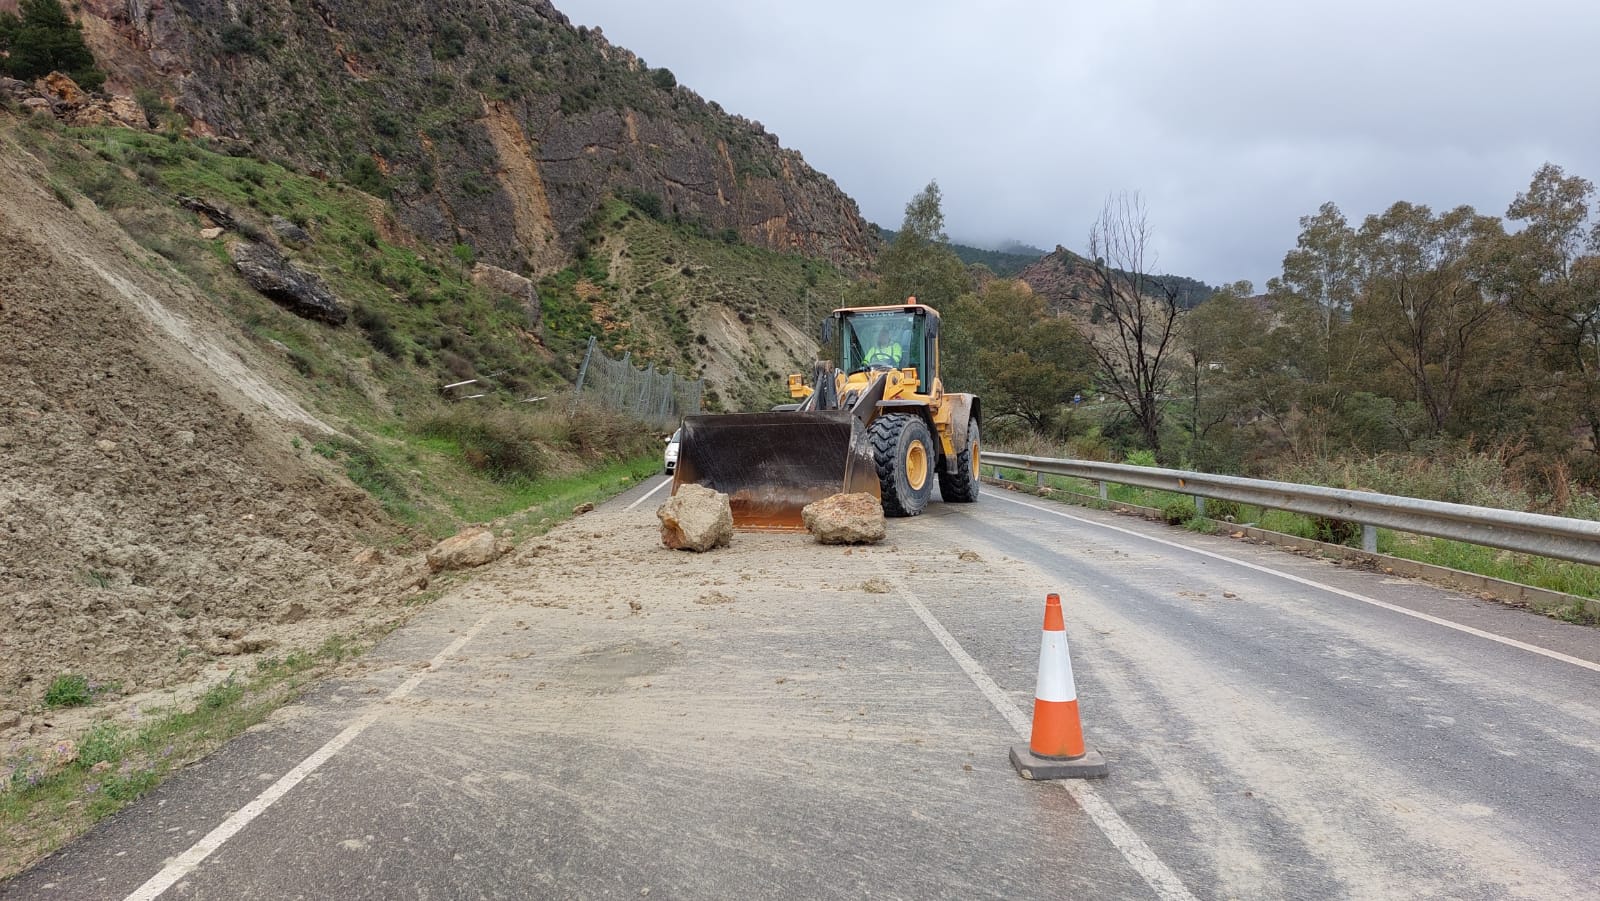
column 495, row 123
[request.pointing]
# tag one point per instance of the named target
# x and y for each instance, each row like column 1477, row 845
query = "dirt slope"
column 155, row 512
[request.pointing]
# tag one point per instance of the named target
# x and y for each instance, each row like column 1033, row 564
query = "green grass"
column 1523, row 569
column 68, row 690
column 44, row 801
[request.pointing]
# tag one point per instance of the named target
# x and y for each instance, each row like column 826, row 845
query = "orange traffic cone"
column 1056, row 750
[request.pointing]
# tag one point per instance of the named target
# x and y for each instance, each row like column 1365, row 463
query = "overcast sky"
column 1233, row 119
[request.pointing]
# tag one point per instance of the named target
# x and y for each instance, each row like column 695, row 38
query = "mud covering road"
column 600, row 717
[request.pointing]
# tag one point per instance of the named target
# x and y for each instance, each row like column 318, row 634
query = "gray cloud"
column 1232, row 118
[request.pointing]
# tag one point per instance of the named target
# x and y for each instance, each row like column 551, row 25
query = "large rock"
column 301, row 292
column 845, row 519
column 464, row 550
column 696, row 519
column 63, row 88
column 509, row 283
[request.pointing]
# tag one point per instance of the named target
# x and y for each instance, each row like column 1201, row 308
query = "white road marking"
column 646, row 496
column 1155, row 874
column 182, row 865
column 1509, row 642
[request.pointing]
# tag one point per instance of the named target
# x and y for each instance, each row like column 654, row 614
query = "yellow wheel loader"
column 879, row 422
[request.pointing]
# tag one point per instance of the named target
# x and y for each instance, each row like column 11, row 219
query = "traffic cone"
column 1056, row 749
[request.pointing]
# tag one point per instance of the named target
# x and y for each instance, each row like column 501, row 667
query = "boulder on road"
column 464, row 550
column 845, row 519
column 696, row 519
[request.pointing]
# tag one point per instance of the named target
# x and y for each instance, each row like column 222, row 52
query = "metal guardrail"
column 1577, row 540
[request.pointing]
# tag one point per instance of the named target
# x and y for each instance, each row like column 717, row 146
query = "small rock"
column 715, row 597
column 464, row 550
column 36, row 105
column 969, row 557
column 106, row 446
column 635, row 606
column 185, row 437
column 294, row 613
column 1229, row 594
column 582, row 508
column 845, row 519
column 100, row 767
column 254, row 644
column 10, row 719
column 61, row 753
column 211, row 234
column 370, row 556
column 696, row 519
column 288, row 231
column 875, row 586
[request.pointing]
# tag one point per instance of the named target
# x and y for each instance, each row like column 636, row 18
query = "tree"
column 1138, row 313
column 1003, row 344
column 1549, row 274
column 919, row 263
column 44, row 39
column 1421, row 300
column 1323, row 271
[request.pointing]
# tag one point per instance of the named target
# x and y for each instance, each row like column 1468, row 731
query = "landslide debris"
column 696, row 519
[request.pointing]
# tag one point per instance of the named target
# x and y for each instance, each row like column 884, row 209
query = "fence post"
column 1369, row 539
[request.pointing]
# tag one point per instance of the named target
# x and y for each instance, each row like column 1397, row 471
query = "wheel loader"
column 878, row 421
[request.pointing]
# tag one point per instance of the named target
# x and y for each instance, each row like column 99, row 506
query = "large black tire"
column 903, row 448
column 960, row 485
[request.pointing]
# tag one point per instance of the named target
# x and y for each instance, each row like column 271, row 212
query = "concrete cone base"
column 1090, row 766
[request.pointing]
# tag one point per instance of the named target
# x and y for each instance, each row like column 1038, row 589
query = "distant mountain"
column 1062, row 278
column 1007, row 263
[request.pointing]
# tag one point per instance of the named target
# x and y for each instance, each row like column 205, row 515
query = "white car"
column 672, row 452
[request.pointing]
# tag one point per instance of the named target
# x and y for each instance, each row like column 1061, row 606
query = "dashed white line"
column 1415, row 614
column 1155, row 874
column 184, row 863
column 646, row 496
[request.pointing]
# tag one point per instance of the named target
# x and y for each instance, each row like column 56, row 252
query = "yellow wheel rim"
column 916, row 465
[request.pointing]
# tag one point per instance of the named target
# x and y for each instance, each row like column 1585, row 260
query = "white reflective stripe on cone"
column 1055, row 670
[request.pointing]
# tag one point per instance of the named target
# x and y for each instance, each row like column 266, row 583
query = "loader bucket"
column 770, row 465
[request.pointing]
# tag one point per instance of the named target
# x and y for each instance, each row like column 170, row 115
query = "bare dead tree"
column 1139, row 313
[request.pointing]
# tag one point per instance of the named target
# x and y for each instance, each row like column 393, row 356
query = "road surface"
column 598, row 717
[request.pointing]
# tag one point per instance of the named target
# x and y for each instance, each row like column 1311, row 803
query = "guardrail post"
column 1369, row 539
column 1038, row 480
column 1200, row 506
column 1102, row 485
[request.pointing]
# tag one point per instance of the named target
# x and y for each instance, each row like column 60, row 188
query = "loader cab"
column 898, row 337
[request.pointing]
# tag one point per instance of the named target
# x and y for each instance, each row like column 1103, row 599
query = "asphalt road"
column 784, row 720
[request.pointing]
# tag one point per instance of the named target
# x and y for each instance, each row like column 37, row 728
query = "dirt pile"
column 159, row 505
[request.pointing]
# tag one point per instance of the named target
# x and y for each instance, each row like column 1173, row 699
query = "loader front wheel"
column 903, row 449
column 961, row 485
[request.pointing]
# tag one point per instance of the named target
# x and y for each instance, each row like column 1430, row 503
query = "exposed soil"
column 156, row 512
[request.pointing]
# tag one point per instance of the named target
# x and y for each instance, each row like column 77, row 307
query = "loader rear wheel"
column 903, row 449
column 961, row 485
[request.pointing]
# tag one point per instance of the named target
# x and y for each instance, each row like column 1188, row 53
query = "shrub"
column 1178, row 511
column 379, row 331
column 501, row 443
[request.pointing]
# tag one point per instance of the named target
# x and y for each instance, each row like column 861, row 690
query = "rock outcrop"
column 302, row 293
column 845, row 519
column 498, row 123
column 696, row 519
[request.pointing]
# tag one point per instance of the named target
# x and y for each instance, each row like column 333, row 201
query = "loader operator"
column 886, row 349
